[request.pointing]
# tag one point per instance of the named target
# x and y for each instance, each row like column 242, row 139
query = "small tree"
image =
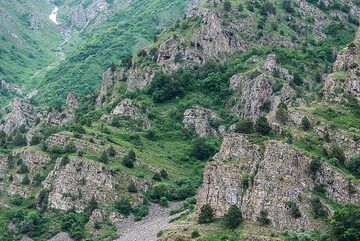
column 281, row 113
column 305, row 123
column 227, row 5
column 345, row 223
column 164, row 174
column 104, row 158
column 338, row 153
column 263, row 218
column 318, row 209
column 111, row 151
column 132, row 187
column 164, row 202
column 262, row 126
column 206, row 214
column 123, row 206
column 233, row 217
column 293, row 208
column 157, row 177
column 315, row 165
column 353, row 164
column 128, row 160
column 25, row 180
column 244, row 126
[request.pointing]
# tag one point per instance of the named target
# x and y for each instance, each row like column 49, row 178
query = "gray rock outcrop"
column 256, row 180
column 74, row 183
column 202, row 120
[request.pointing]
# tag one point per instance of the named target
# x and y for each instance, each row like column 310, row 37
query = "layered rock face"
column 107, row 85
column 139, row 78
column 10, row 87
column 255, row 89
column 21, row 114
column 75, row 182
column 256, row 180
column 66, row 115
column 203, row 121
column 346, row 73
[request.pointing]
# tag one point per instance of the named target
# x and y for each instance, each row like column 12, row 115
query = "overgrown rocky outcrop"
column 67, row 114
column 266, row 180
column 205, row 122
column 262, row 88
column 75, row 181
column 346, row 71
column 19, row 114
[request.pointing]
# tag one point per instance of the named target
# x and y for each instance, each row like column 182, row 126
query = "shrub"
column 104, row 158
column 195, row 234
column 293, row 208
column 315, row 165
column 111, row 151
column 353, row 164
column 123, row 206
column 233, row 217
column 281, row 113
column 25, row 180
column 317, row 208
column 227, row 5
column 163, row 173
column 305, row 124
column 262, row 126
column 164, row 202
column 20, row 139
column 202, row 150
column 244, row 126
column 345, row 223
column 128, row 160
column 206, row 214
column 23, row 169
column 338, row 153
column 132, row 187
column 263, row 218
column 157, row 177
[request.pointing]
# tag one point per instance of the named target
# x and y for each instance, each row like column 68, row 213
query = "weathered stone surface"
column 255, row 88
column 34, row 159
column 107, row 84
column 62, row 236
column 277, row 175
column 11, row 88
column 73, row 184
column 127, row 108
column 139, row 78
column 346, row 72
column 66, row 115
column 21, row 114
column 201, row 120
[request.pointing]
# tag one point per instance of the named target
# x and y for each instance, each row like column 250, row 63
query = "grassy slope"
column 130, row 29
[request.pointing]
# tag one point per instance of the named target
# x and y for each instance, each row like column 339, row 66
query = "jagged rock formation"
column 346, row 71
column 275, row 176
column 74, row 183
column 66, row 115
column 11, row 88
column 107, row 84
column 255, row 89
column 20, row 114
column 139, row 78
column 203, row 121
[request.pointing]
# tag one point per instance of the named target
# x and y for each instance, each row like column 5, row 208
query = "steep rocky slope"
column 262, row 78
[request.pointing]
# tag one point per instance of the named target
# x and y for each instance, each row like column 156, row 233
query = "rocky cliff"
column 254, row 179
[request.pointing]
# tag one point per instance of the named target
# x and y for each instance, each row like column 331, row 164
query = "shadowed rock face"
column 276, row 175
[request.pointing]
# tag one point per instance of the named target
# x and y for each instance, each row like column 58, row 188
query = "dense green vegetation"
column 131, row 28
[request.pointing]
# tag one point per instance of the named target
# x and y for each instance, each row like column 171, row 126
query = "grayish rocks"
column 74, row 183
column 276, row 175
column 204, row 121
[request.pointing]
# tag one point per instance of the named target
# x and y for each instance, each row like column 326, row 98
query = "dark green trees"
column 233, row 217
column 206, row 214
